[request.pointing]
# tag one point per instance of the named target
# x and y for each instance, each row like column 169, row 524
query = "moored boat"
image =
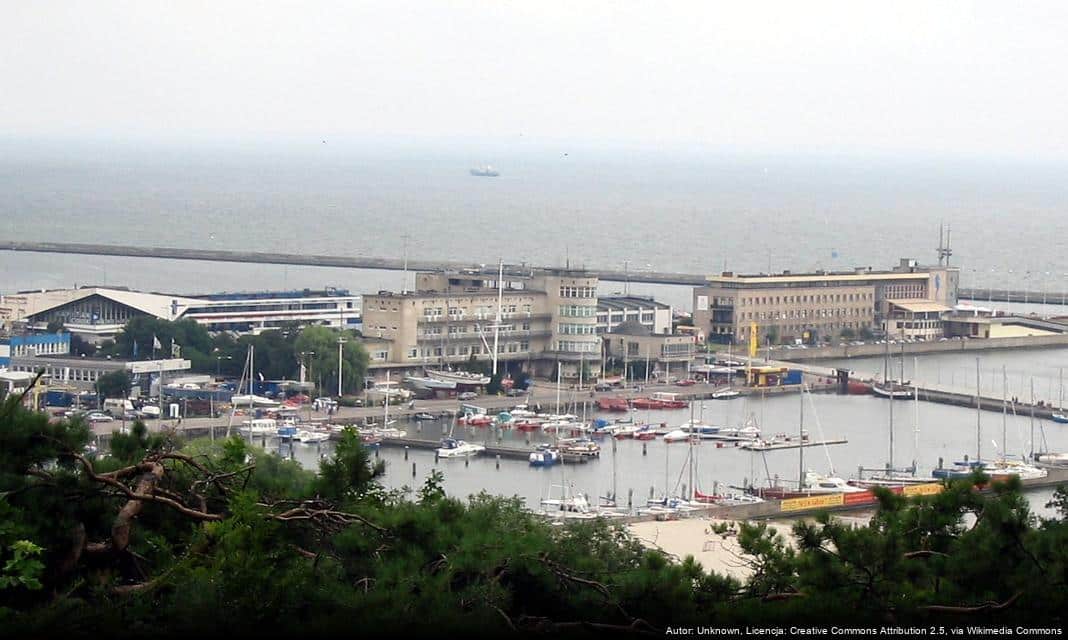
column 452, row 448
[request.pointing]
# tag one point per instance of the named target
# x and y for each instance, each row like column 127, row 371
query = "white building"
column 97, row 313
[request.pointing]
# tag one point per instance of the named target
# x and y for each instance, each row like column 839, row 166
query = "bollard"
column 498, row 461
column 413, row 469
column 405, row 452
column 630, row 498
column 467, row 461
column 436, row 457
column 377, row 450
column 645, row 449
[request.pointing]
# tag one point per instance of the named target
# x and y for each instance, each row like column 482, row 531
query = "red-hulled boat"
column 612, row 404
column 858, row 388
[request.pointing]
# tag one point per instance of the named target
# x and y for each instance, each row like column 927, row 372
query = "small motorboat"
column 452, row 448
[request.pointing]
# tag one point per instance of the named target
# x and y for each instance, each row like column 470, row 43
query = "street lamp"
column 218, row 364
column 340, row 343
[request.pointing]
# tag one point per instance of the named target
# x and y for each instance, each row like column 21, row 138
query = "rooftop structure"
column 615, row 310
column 101, row 312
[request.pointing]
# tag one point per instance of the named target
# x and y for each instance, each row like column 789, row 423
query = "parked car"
column 602, row 386
column 96, row 416
column 467, row 395
column 688, row 382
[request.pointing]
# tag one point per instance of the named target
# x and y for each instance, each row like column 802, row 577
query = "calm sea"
column 648, row 210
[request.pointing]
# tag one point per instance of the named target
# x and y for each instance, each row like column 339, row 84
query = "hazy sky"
column 980, row 77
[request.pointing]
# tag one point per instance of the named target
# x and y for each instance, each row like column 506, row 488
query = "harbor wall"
column 954, row 345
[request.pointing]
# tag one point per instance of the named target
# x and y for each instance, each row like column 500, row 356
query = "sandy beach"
column 695, row 537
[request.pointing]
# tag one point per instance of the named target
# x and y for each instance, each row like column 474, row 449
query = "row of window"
column 577, row 329
column 807, row 298
column 905, row 291
column 568, row 346
column 578, row 310
column 578, row 292
column 484, row 312
column 926, row 324
column 848, row 312
column 464, row 350
column 72, row 374
column 47, row 348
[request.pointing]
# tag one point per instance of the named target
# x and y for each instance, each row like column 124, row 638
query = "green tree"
column 115, row 384
column 324, row 342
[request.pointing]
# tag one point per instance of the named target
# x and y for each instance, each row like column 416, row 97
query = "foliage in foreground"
column 173, row 538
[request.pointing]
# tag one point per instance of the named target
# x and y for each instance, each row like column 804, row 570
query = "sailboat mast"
column 916, row 405
column 890, row 396
column 689, row 439
column 801, row 443
column 1032, row 453
column 558, row 370
column 978, row 415
column 1004, row 409
column 497, row 324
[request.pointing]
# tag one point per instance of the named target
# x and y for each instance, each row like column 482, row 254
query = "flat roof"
column 920, row 306
column 630, row 302
column 817, row 277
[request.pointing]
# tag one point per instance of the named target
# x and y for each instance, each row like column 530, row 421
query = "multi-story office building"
column 548, row 316
column 812, row 306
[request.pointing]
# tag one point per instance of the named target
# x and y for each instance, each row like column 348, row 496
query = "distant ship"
column 485, row 172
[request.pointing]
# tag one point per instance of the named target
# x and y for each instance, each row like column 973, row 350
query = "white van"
column 117, row 406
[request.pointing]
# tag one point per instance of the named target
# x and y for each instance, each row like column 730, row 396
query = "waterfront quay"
column 311, row 260
column 398, row 264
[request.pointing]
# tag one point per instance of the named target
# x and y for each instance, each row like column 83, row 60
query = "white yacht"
column 310, row 437
column 458, row 377
column 817, row 483
column 452, row 448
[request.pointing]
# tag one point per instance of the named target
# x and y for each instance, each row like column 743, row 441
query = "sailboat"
column 1060, row 415
column 997, row 468
column 889, row 388
column 1002, row 466
column 808, row 482
column 891, row 476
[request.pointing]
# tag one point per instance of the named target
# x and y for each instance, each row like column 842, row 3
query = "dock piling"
column 413, row 469
column 645, row 448
column 498, row 461
column 405, row 452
